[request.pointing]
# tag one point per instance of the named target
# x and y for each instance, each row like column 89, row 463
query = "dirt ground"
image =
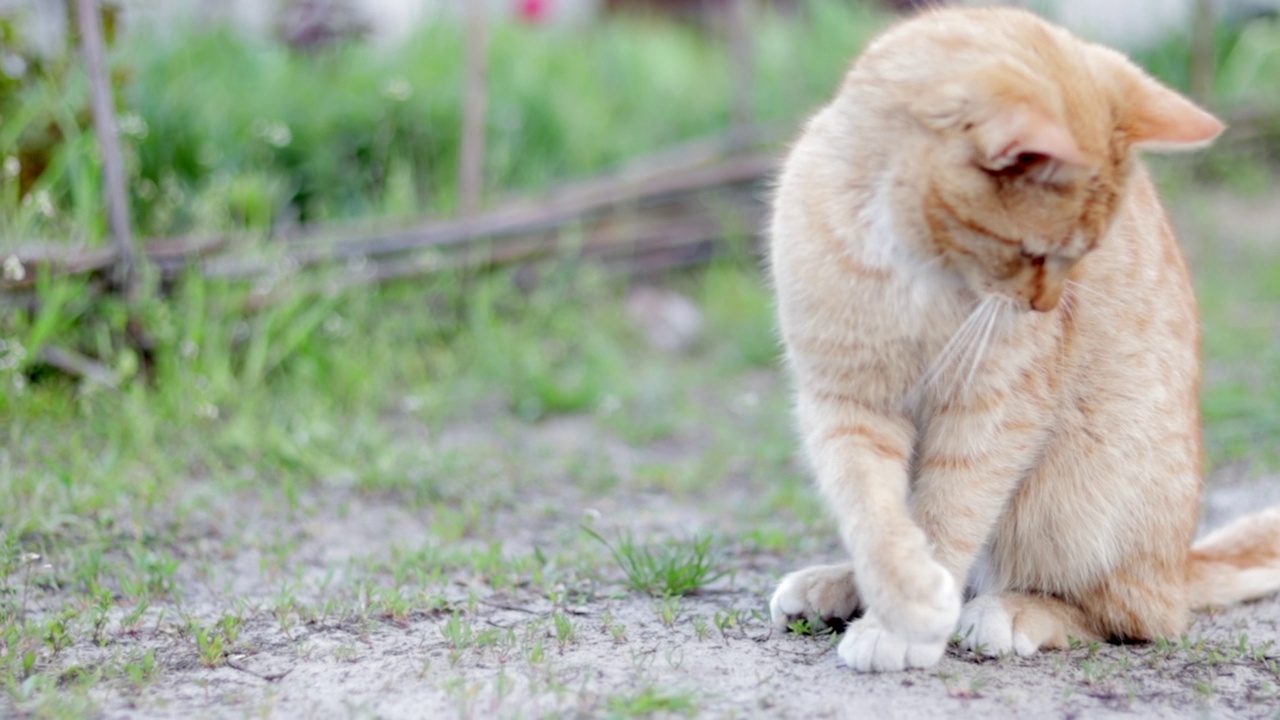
column 712, row 654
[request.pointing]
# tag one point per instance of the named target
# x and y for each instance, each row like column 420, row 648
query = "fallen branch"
column 79, row 366
column 515, row 220
column 23, row 265
column 708, row 183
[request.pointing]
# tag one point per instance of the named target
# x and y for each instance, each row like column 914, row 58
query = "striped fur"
column 994, row 344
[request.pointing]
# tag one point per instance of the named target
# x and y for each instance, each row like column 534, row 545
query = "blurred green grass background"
column 227, row 133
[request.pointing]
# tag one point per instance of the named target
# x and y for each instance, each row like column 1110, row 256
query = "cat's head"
column 1028, row 148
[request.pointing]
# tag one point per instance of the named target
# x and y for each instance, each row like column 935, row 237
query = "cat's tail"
column 1236, row 563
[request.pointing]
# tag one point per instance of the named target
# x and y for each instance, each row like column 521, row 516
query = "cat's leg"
column 1141, row 600
column 912, row 602
column 1123, row 604
column 1020, row 623
column 975, row 453
column 823, row 595
column 1102, row 538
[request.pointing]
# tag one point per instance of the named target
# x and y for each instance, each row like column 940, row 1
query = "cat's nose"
column 1047, row 298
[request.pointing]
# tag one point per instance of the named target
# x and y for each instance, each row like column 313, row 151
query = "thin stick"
column 475, row 97
column 740, row 48
column 104, row 122
column 79, row 366
column 1202, row 52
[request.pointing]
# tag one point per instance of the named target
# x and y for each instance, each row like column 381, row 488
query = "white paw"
column 868, row 647
column 817, row 594
column 926, row 610
column 986, row 628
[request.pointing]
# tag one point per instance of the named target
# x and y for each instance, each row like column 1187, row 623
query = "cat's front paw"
column 820, row 594
column 924, row 607
column 987, row 628
column 868, row 647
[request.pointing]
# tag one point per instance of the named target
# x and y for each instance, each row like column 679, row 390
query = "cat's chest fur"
column 906, row 306
column 875, row 323
column 864, row 314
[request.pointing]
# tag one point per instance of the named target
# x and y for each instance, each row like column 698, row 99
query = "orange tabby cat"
column 995, row 347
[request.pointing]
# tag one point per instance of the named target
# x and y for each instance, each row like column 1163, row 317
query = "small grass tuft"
column 670, row 569
column 651, row 701
column 802, row 626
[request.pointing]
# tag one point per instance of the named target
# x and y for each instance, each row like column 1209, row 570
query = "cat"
column 995, row 349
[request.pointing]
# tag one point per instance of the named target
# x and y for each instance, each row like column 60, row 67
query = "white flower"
column 335, row 326
column 12, row 166
column 44, row 204
column 11, row 354
column 276, row 133
column 610, row 404
column 133, row 125
column 40, row 201
column 398, row 89
column 13, row 269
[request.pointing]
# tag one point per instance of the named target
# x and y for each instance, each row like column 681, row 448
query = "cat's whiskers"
column 1067, row 303
column 953, row 348
column 957, row 349
column 973, row 353
column 994, row 317
column 1075, row 285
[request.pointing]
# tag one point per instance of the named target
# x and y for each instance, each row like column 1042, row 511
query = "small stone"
column 669, row 320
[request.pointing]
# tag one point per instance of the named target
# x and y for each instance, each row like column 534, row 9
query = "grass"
column 1238, row 287
column 664, row 570
column 122, row 508
column 330, row 474
column 256, row 143
column 650, row 702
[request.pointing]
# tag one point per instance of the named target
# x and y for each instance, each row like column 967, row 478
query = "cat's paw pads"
column 987, row 628
column 868, row 647
column 817, row 594
column 925, row 611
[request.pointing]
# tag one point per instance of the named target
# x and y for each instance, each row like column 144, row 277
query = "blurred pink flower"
column 534, row 10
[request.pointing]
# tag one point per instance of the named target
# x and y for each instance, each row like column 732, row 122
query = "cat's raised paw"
column 987, row 628
column 869, row 647
column 818, row 594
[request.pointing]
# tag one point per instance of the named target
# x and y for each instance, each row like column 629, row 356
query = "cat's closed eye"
column 1022, row 163
column 1036, row 259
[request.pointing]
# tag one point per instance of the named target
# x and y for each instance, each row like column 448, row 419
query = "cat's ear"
column 1007, row 133
column 1162, row 120
column 1013, row 133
